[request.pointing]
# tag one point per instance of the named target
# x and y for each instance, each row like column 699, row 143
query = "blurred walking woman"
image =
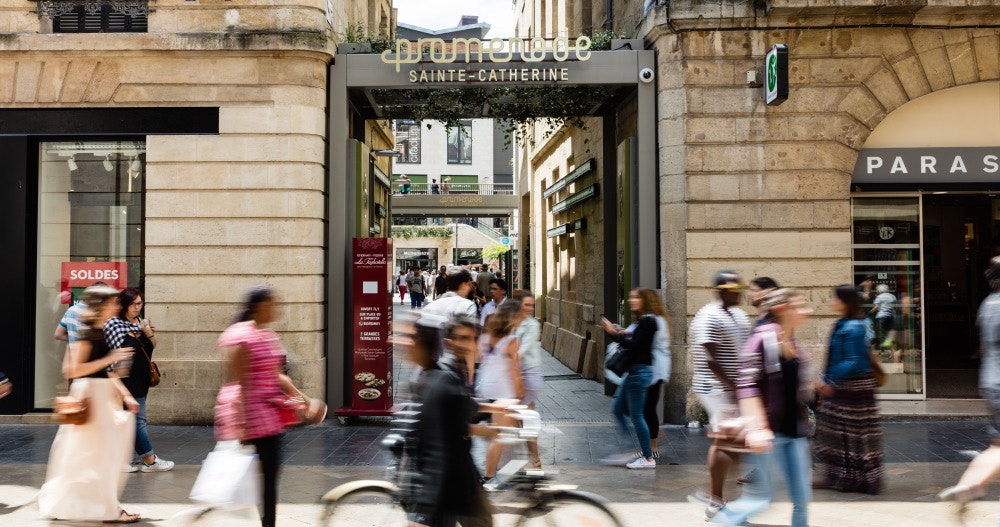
column 636, row 342
column 661, row 366
column 499, row 375
column 256, row 359
column 128, row 329
column 85, row 478
column 772, row 388
column 848, row 432
column 529, row 334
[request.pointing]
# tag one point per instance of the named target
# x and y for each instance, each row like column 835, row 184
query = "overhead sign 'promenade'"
column 497, row 50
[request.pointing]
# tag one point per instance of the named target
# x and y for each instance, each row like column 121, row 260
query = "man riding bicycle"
column 442, row 484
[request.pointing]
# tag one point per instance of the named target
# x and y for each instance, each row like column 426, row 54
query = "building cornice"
column 694, row 15
column 264, row 41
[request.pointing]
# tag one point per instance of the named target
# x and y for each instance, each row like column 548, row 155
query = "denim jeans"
column 790, row 455
column 142, row 445
column 416, row 299
column 630, row 398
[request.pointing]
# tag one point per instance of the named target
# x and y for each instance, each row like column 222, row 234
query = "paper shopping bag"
column 229, row 476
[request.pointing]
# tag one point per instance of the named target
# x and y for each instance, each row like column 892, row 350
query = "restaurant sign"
column 928, row 165
column 524, row 53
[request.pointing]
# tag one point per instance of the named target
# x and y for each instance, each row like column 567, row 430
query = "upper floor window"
column 95, row 16
column 460, row 143
column 408, row 140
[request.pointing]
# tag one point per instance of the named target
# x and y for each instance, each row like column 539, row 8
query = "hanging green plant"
column 517, row 109
column 410, row 231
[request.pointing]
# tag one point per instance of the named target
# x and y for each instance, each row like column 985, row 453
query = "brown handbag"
column 154, row 374
column 69, row 410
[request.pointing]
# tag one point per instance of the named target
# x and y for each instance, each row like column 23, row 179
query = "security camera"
column 646, row 75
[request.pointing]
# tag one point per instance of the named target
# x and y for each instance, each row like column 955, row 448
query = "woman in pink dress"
column 256, row 359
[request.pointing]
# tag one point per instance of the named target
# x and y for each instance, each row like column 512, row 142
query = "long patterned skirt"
column 849, row 437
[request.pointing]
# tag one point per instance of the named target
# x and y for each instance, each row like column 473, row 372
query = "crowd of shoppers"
column 753, row 378
column 759, row 400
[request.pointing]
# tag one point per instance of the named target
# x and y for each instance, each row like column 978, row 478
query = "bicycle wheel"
column 366, row 507
column 570, row 509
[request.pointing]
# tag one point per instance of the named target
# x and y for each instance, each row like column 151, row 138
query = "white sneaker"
column 642, row 463
column 130, row 469
column 159, row 465
column 493, row 484
column 712, row 504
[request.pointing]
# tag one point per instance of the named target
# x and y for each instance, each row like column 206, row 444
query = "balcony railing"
column 476, row 189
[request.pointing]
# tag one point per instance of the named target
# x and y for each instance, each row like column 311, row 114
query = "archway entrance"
column 401, row 83
column 926, row 221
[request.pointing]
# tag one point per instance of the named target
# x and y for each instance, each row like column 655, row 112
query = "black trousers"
column 269, row 453
column 649, row 412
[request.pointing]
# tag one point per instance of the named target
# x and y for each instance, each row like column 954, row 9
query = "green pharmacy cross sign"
column 776, row 75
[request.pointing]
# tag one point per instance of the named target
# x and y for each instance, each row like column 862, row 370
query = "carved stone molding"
column 54, row 8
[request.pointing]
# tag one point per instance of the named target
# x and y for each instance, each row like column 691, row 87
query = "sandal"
column 536, row 463
column 125, row 517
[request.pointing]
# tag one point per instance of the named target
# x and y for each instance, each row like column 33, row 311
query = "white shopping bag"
column 229, row 476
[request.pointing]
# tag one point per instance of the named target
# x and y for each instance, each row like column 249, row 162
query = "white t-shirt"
column 885, row 303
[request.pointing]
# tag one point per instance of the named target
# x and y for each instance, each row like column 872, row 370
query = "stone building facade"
column 773, row 190
column 223, row 209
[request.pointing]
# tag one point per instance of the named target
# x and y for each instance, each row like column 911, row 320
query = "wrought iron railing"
column 479, row 189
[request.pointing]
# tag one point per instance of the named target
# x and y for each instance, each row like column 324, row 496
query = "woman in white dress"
column 499, row 375
column 85, row 478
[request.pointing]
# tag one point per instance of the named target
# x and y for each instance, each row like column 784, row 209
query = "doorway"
column 961, row 232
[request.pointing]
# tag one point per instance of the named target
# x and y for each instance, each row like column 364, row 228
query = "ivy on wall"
column 407, row 231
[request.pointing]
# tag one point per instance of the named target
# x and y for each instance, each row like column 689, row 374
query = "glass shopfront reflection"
column 886, row 240
column 90, row 228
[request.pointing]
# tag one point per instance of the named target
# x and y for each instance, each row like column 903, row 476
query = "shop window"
column 887, row 268
column 95, row 16
column 460, row 143
column 408, row 141
column 90, row 228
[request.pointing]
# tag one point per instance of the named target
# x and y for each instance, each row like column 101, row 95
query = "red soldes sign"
column 370, row 377
column 80, row 275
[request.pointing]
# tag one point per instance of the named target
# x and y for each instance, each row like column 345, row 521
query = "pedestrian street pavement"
column 922, row 457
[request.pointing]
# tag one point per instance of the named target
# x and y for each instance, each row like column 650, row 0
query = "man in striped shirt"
column 717, row 335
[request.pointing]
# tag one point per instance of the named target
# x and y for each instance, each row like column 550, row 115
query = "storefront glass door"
column 90, row 229
column 886, row 248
